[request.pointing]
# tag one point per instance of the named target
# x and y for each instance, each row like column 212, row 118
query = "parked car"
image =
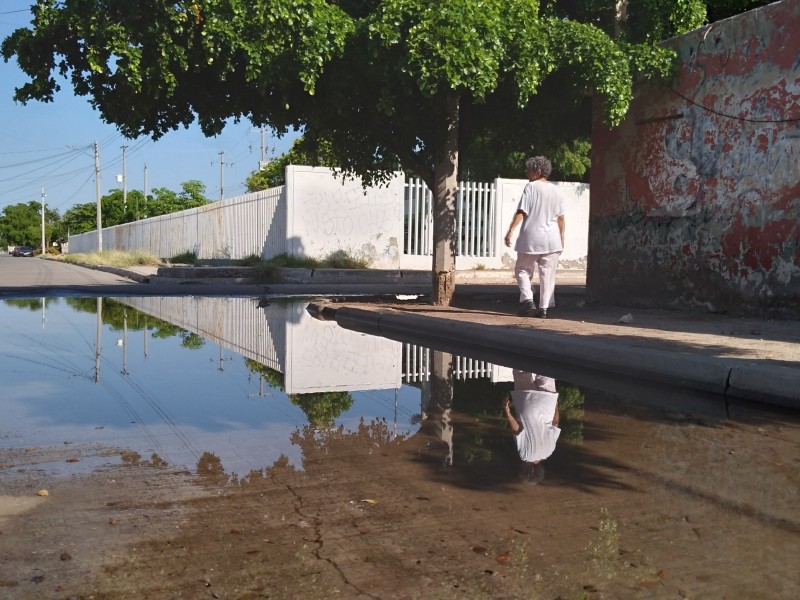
column 23, row 251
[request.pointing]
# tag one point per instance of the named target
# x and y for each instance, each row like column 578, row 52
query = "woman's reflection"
column 535, row 425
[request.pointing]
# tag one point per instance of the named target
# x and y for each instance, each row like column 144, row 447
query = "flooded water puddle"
column 231, row 447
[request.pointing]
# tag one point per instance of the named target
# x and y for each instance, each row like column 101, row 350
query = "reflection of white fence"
column 237, row 324
column 417, row 366
column 315, row 214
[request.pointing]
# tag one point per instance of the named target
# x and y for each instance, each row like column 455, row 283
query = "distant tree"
column 80, row 218
column 164, row 201
column 305, row 150
column 116, row 209
column 21, row 224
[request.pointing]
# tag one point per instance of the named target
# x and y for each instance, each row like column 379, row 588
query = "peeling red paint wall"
column 696, row 195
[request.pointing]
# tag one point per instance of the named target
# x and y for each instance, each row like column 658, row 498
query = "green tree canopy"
column 306, row 150
column 21, row 224
column 164, row 201
column 389, row 83
column 116, row 209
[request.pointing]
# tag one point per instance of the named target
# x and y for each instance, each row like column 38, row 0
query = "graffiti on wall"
column 697, row 193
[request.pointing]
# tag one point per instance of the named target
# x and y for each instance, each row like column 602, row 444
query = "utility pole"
column 145, row 192
column 221, row 174
column 99, row 203
column 44, row 249
column 262, row 164
column 124, row 182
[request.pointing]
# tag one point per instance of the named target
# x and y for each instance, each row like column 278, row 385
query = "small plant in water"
column 604, row 551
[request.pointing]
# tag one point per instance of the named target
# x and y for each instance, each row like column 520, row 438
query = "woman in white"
column 535, row 426
column 541, row 237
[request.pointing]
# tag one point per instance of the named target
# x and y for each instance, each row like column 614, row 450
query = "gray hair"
column 540, row 165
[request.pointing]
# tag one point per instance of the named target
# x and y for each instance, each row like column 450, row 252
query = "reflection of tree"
column 437, row 412
column 117, row 316
column 570, row 409
column 191, row 341
column 272, row 377
column 322, row 408
column 31, row 304
column 210, row 469
column 481, row 439
column 366, row 438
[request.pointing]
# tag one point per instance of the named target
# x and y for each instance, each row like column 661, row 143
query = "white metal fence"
column 231, row 228
column 475, row 219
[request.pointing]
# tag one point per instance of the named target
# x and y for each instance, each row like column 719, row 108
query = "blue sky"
column 50, row 145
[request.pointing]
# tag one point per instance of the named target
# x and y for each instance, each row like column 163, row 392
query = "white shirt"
column 535, row 411
column 542, row 204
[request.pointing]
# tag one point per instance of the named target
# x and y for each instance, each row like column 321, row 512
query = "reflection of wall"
column 321, row 356
column 695, row 197
column 314, row 356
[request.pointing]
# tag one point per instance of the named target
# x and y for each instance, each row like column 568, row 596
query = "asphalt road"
column 34, row 277
column 35, row 272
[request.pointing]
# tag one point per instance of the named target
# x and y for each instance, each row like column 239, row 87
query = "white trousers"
column 547, row 265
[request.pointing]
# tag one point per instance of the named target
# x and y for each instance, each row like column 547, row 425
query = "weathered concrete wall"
column 696, row 195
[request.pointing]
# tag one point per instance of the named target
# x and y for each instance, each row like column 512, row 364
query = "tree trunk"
column 445, row 175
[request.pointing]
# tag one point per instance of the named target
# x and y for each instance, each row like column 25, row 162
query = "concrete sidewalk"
column 744, row 358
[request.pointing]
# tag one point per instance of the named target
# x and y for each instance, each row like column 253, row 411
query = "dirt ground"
column 646, row 504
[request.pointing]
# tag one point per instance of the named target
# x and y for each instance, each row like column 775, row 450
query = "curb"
column 581, row 361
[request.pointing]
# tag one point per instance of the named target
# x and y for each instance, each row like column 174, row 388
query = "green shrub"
column 267, row 272
column 186, row 258
column 251, row 260
column 342, row 259
column 284, row 260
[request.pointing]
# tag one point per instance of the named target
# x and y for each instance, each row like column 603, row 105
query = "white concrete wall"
column 326, row 214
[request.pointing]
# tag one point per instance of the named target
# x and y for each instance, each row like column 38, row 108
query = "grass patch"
column 266, row 272
column 252, row 260
column 185, row 258
column 113, row 258
column 297, row 262
column 341, row 259
column 269, row 271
